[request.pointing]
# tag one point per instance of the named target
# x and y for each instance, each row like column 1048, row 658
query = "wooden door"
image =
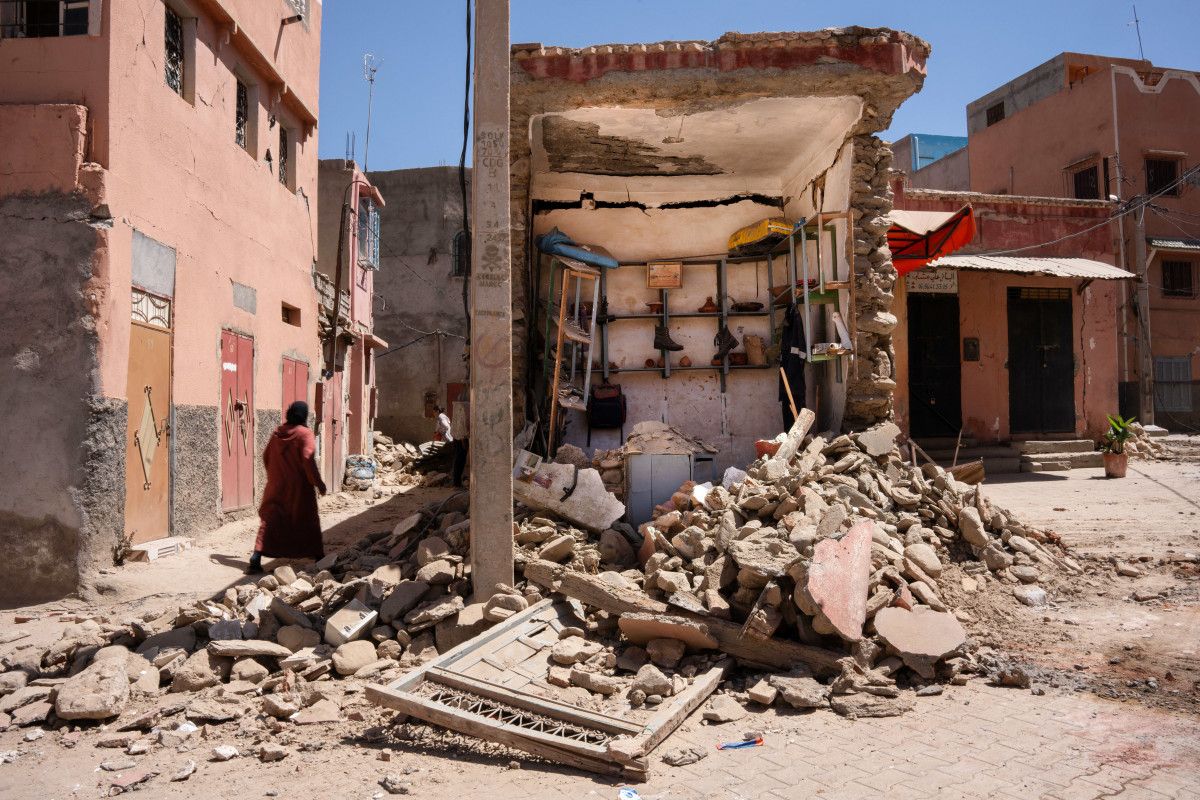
column 237, row 421
column 935, row 368
column 1041, row 361
column 295, row 383
column 147, row 434
column 332, row 423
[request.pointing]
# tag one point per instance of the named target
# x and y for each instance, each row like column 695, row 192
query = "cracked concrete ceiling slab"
column 756, row 145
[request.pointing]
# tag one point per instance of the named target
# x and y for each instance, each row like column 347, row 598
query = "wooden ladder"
column 570, row 330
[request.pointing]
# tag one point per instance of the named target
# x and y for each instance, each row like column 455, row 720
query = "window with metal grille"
column 241, row 112
column 995, row 113
column 460, row 255
column 1161, row 173
column 1087, row 183
column 1037, row 293
column 1177, row 279
column 368, row 234
column 1173, row 383
column 37, row 19
column 174, row 52
column 283, row 155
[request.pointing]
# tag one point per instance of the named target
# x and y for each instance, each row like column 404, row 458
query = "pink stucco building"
column 348, row 257
column 158, row 186
column 1092, row 127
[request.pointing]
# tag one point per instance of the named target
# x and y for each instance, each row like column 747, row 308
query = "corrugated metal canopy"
column 1161, row 243
column 1047, row 267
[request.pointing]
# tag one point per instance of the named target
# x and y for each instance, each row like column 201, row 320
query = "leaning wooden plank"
column 451, row 657
column 538, row 705
column 804, row 421
column 669, row 716
column 592, row 758
column 593, row 591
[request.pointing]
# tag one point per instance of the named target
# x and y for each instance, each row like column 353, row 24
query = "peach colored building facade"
column 984, row 332
column 349, row 242
column 1087, row 126
column 157, row 190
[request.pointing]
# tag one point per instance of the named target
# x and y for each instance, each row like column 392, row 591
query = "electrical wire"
column 1131, row 205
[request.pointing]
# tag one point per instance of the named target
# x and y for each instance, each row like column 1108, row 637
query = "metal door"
column 651, row 480
column 237, row 421
column 1041, row 361
column 935, row 369
column 147, row 431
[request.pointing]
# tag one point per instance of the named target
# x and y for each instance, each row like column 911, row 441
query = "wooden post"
column 491, row 309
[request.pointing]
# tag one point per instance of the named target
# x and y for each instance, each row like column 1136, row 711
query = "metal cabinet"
column 650, row 480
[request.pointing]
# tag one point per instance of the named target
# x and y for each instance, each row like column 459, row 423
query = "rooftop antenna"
column 351, row 141
column 1137, row 25
column 369, row 68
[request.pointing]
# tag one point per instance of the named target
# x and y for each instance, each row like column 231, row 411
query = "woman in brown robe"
column 290, row 525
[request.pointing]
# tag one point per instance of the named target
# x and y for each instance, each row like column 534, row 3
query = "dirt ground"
column 1094, row 637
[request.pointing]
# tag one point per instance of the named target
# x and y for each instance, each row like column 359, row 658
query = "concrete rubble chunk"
column 642, row 628
column 432, row 613
column 352, row 656
column 432, row 548
column 1031, row 595
column 595, row 682
column 926, row 558
column 723, row 708
column 558, row 548
column 920, row 637
column 349, row 622
column 665, row 652
column 98, row 692
column 436, row 572
column 869, row 705
column 971, row 527
column 574, row 649
column 248, row 649
column 767, row 557
column 800, row 691
column 590, row 505
column 402, row 599
column 838, row 579
column 682, row 756
column 879, row 440
column 651, row 680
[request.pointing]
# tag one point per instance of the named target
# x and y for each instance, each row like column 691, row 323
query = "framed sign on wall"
column 664, row 275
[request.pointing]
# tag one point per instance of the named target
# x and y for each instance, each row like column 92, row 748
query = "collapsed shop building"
column 658, row 153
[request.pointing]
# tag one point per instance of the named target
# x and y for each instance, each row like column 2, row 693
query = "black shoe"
column 725, row 341
column 254, row 568
column 662, row 339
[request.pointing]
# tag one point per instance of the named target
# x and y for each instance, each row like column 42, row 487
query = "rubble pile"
column 1141, row 445
column 370, row 612
column 834, row 546
column 401, row 464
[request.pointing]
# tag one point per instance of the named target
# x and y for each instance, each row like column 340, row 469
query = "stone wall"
column 196, row 482
column 872, row 380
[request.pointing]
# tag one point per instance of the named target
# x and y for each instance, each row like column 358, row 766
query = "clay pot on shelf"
column 661, row 363
column 685, row 362
column 738, row 359
column 709, row 306
column 649, row 363
column 655, row 308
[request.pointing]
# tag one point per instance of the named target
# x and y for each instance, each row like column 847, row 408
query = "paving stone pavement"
column 973, row 741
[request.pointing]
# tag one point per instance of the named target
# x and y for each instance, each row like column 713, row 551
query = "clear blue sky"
column 417, row 118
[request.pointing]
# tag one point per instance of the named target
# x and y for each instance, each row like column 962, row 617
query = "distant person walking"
column 441, row 427
column 291, row 527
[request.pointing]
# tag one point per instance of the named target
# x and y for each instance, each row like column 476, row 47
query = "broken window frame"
column 175, row 63
column 241, row 115
column 284, row 160
column 368, row 234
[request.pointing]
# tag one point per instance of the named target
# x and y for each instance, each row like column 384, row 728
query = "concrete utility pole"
column 491, row 312
column 1145, row 357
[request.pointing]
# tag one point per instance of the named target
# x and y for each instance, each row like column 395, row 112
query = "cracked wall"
column 54, row 516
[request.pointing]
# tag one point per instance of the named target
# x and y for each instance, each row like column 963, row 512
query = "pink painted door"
column 237, row 421
column 295, row 382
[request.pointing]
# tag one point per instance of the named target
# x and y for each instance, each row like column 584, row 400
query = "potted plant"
column 1112, row 444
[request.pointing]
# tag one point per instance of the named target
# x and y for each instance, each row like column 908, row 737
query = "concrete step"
column 975, row 453
column 1048, row 462
column 931, row 443
column 1056, row 446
